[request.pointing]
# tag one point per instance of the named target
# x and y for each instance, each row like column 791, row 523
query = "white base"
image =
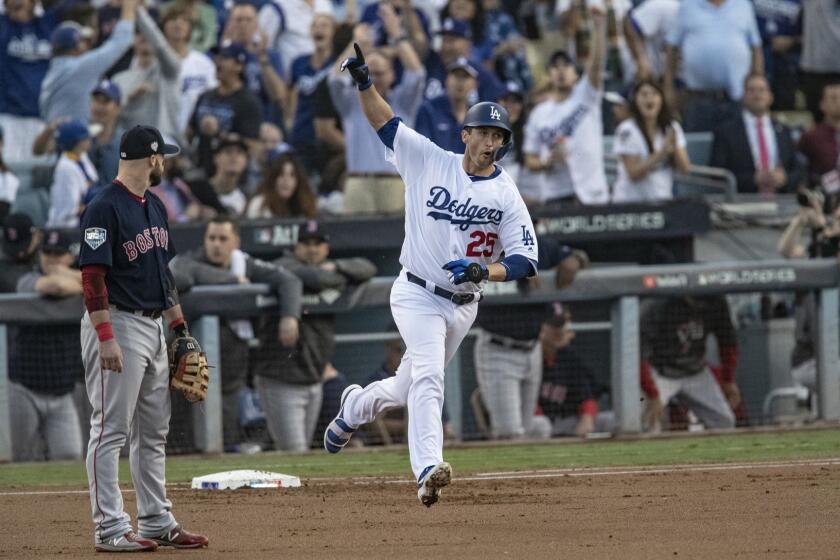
column 230, row 480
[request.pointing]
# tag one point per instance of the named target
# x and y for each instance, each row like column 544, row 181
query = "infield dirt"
column 743, row 513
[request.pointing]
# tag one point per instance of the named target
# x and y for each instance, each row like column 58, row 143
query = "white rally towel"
column 242, row 327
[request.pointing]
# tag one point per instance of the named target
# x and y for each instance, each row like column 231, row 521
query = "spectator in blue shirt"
column 780, row 25
column 415, row 24
column 75, row 71
column 264, row 65
column 504, row 47
column 456, row 42
column 307, row 72
column 497, row 44
column 24, row 58
column 441, row 119
column 719, row 44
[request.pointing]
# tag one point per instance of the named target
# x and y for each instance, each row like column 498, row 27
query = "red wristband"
column 175, row 323
column 104, row 331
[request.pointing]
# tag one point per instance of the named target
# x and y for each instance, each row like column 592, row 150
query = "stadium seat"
column 35, row 203
column 699, row 146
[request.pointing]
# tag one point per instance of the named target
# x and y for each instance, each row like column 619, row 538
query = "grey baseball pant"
column 35, row 416
column 509, row 381
column 134, row 402
column 291, row 412
column 702, row 394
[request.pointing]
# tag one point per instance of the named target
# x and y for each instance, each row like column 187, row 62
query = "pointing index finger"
column 359, row 54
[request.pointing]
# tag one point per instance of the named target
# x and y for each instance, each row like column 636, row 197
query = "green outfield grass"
column 744, row 447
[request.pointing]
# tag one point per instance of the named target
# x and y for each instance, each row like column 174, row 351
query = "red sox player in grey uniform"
column 128, row 287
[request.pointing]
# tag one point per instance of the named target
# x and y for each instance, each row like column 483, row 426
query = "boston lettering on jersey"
column 156, row 237
column 463, row 214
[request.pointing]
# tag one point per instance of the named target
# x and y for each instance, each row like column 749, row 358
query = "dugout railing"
column 622, row 287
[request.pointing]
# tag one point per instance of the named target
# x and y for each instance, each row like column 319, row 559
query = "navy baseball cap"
column 236, row 51
column 70, row 133
column 312, row 230
column 461, row 63
column 229, row 140
column 556, row 314
column 563, row 56
column 144, row 141
column 456, row 28
column 109, row 89
column 67, row 36
column 513, row 89
column 17, row 234
column 56, row 242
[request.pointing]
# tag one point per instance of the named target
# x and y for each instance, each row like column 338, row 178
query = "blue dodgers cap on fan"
column 456, row 28
column 70, row 133
column 109, row 89
column 513, row 89
column 144, row 141
column 67, row 36
column 236, row 51
column 461, row 63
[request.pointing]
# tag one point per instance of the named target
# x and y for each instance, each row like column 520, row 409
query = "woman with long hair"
column 649, row 145
column 284, row 192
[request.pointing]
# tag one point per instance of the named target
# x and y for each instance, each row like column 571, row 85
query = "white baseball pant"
column 432, row 329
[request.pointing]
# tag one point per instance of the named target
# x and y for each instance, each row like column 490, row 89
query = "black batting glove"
column 358, row 69
column 465, row 271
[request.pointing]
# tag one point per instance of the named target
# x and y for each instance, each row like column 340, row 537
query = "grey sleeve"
column 357, row 269
column 286, row 285
column 314, row 278
column 91, row 65
column 26, row 283
column 408, row 96
column 170, row 62
column 342, row 91
column 190, row 272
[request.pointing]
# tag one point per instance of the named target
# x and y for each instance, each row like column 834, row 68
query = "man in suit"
column 757, row 149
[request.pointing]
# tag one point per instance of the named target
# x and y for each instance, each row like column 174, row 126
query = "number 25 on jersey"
column 482, row 244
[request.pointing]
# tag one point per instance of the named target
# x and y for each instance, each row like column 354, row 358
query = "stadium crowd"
column 269, row 128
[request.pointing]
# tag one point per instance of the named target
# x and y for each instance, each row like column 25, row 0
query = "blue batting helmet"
column 488, row 113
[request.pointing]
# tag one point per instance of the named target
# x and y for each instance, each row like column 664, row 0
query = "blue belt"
column 458, row 298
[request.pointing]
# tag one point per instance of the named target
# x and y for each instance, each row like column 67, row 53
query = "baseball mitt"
column 188, row 369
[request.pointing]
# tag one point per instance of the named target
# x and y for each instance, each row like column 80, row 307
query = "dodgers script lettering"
column 462, row 214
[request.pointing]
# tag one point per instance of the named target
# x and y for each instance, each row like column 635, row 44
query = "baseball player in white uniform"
column 461, row 213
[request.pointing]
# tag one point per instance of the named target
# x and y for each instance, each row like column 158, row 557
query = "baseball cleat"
column 179, row 538
column 339, row 432
column 433, row 478
column 127, row 542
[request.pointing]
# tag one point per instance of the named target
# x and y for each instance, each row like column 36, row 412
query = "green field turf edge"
column 749, row 447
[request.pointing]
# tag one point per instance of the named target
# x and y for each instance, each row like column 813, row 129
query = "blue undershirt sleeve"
column 518, row 266
column 389, row 131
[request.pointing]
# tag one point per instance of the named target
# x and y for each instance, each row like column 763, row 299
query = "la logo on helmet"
column 494, row 114
column 154, row 146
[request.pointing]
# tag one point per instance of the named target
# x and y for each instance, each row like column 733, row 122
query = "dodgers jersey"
column 450, row 215
column 576, row 122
